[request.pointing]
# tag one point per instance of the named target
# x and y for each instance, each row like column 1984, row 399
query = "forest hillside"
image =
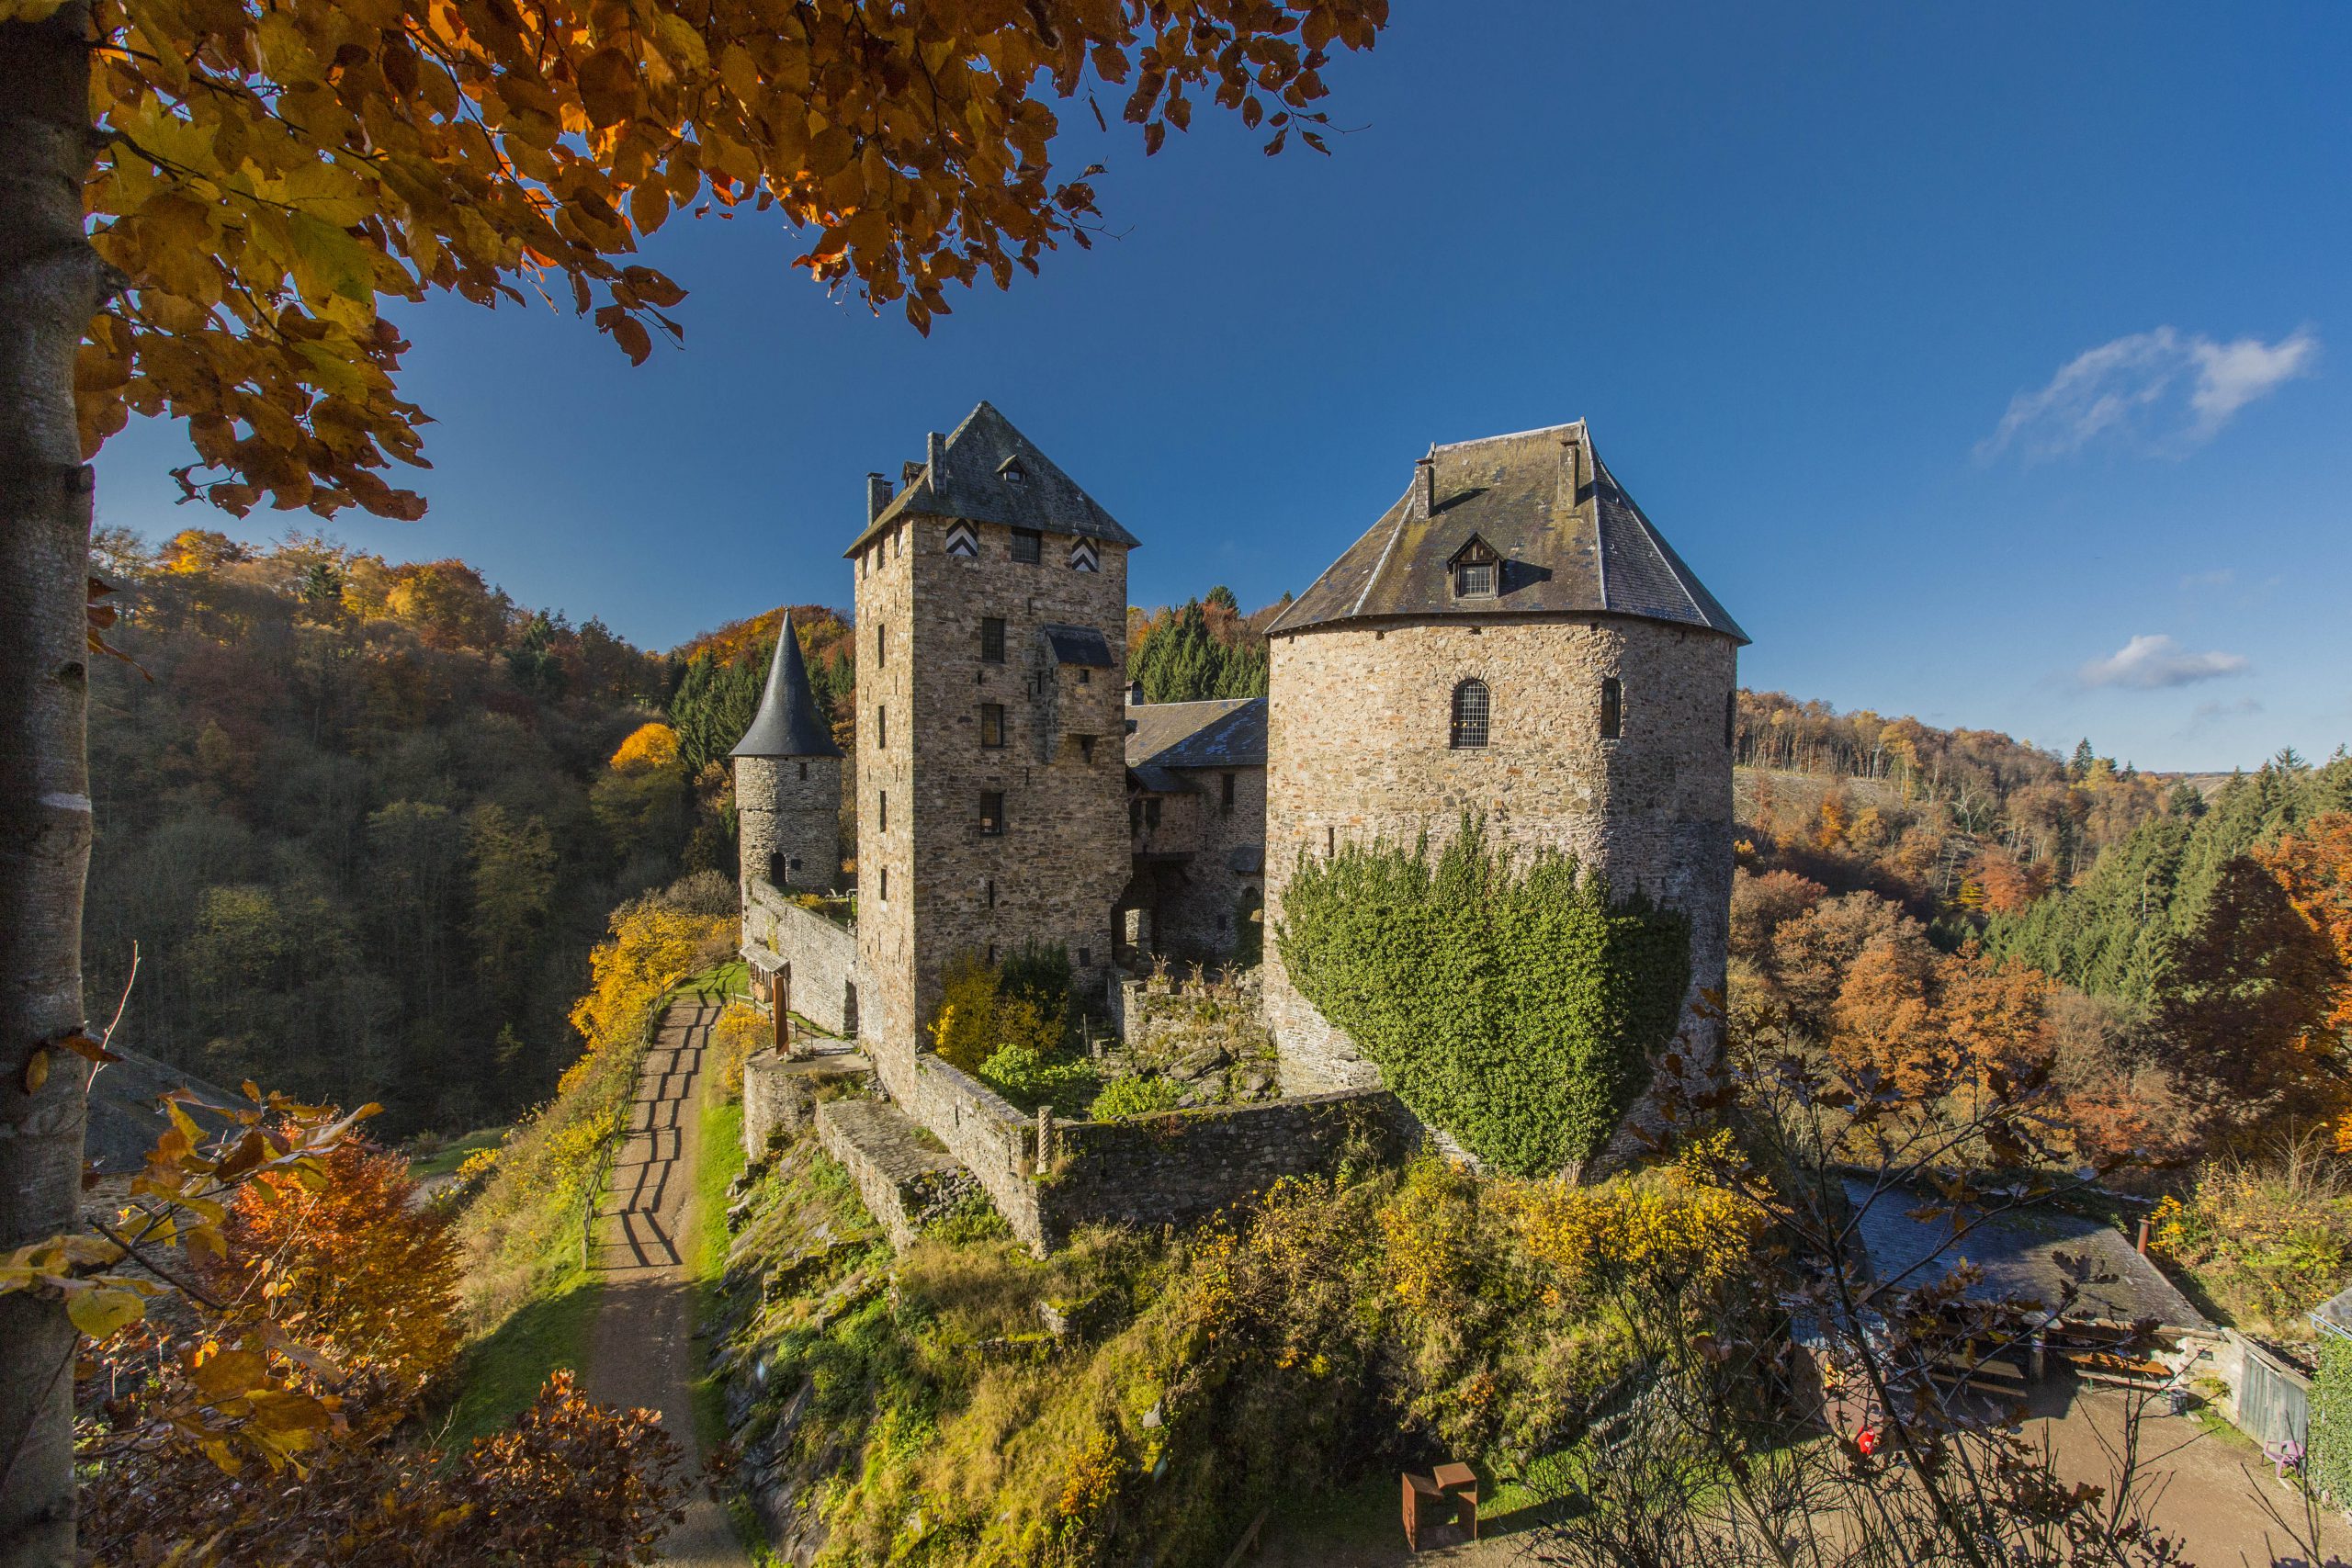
column 359, row 822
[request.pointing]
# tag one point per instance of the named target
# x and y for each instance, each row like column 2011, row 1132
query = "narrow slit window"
column 1613, row 707
column 881, row 727
column 804, row 773
column 1228, row 791
column 881, row 648
column 882, row 811
column 1471, row 712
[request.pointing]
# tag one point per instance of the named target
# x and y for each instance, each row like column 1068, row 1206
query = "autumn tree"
column 2313, row 865
column 207, row 198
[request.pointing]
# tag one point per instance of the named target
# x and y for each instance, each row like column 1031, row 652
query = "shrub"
column 2266, row 1240
column 1030, row 1078
column 983, row 1010
column 1134, row 1096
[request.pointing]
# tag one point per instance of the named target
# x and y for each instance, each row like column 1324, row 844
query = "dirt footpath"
column 641, row 1352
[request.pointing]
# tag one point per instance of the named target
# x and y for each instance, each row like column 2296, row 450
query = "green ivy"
column 2327, row 1461
column 1513, row 1006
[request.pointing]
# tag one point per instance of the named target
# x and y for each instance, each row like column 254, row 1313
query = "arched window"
column 1470, row 713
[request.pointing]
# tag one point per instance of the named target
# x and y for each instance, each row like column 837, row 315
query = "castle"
column 1512, row 638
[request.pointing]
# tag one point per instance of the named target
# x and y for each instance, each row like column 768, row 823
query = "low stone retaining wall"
column 819, row 957
column 983, row 1130
column 1183, row 1166
column 905, row 1182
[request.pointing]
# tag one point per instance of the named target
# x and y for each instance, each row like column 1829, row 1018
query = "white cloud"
column 2163, row 387
column 2152, row 663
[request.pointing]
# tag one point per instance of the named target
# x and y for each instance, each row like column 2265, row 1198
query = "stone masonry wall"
column 1183, row 1166
column 1357, row 749
column 1203, row 916
column 820, row 958
column 886, row 891
column 791, row 808
column 985, row 1132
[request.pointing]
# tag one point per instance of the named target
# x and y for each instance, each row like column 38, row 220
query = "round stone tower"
column 788, row 784
column 1512, row 639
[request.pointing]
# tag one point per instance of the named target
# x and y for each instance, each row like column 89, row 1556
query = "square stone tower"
column 991, row 604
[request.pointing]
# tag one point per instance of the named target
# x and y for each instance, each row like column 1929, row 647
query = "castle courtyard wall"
column 819, row 957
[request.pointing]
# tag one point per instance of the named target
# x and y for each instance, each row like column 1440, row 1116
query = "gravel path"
column 641, row 1352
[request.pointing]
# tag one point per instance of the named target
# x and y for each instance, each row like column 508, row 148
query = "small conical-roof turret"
column 788, row 724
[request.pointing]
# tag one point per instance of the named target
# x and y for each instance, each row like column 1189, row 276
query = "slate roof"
column 1078, row 645
column 1229, row 732
column 788, row 724
column 2015, row 1252
column 971, row 482
column 1591, row 551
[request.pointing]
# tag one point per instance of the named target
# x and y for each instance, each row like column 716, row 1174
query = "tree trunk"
column 48, row 290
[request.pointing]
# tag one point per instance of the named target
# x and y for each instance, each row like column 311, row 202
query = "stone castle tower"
column 991, row 604
column 789, row 783
column 1512, row 638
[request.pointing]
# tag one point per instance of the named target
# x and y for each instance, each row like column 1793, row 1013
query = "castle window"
column 1225, row 786
column 1470, row 716
column 1613, row 707
column 881, row 648
column 992, row 724
column 1476, row 568
column 1027, row 546
column 881, row 727
column 775, row 866
column 804, row 773
column 990, row 885
column 886, row 884
column 991, row 640
column 1086, row 747
column 1086, row 958
column 1330, row 841
column 991, row 813
column 882, row 804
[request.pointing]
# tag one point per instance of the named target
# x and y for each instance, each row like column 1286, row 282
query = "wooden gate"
column 2274, row 1402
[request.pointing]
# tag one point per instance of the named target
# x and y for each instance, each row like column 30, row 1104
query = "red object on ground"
column 1867, row 1440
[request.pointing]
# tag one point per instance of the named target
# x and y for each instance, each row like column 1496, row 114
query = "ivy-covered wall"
column 1515, row 1006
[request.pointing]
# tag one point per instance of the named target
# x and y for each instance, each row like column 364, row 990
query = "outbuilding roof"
column 2018, row 1254
column 988, row 471
column 1229, row 732
column 788, row 724
column 1571, row 537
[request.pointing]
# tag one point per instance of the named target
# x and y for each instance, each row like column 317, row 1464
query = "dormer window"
column 1477, row 568
column 1011, row 472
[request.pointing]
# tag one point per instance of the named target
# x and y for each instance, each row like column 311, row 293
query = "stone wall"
column 1183, row 1166
column 780, row 1092
column 789, row 811
column 1358, row 749
column 986, row 1132
column 820, row 962
column 1202, row 914
column 905, row 1182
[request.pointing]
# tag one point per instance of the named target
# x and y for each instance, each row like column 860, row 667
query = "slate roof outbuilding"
column 1228, row 732
column 990, row 472
column 2018, row 1254
column 1580, row 547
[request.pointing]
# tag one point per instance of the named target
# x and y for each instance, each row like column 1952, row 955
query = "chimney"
column 1572, row 467
column 877, row 495
column 934, row 454
column 1424, row 501
column 1135, row 693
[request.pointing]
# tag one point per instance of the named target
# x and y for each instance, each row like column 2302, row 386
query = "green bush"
column 1513, row 1006
column 2329, row 1461
column 1134, row 1096
column 1030, row 1078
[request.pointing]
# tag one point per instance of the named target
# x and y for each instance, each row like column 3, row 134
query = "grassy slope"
column 446, row 1161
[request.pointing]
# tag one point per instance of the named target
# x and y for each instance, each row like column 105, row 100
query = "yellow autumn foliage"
column 652, row 947
column 1664, row 1227
column 649, row 749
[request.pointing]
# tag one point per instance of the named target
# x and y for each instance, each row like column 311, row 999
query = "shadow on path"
column 641, row 1352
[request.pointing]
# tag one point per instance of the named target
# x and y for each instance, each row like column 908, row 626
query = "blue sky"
column 1991, row 363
